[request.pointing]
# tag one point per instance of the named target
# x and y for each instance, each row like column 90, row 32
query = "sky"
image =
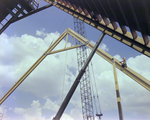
column 41, row 94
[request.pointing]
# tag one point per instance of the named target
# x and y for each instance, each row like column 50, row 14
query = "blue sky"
column 53, row 19
column 40, row 95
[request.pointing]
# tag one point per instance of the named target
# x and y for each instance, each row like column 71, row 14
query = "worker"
column 123, row 62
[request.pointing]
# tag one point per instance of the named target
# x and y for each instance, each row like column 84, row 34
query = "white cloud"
column 41, row 32
column 35, row 111
column 3, row 113
column 104, row 47
column 64, row 117
column 76, row 113
column 50, row 105
column 46, row 81
column 27, row 50
column 118, row 57
column 141, row 65
column 134, row 97
column 32, row 113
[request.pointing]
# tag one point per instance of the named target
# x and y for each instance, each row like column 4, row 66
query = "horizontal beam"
column 128, row 71
column 69, row 48
column 127, row 39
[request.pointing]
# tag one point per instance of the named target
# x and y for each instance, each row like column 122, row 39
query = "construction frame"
column 116, row 64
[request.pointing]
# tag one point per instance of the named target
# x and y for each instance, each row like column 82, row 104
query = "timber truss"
column 128, row 71
column 89, row 12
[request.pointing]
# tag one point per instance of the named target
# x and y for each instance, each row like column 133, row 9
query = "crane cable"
column 64, row 76
column 59, row 28
column 94, row 96
column 96, row 88
column 96, row 92
column 65, row 59
column 66, row 53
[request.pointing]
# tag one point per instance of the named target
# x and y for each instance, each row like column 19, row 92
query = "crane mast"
column 85, row 86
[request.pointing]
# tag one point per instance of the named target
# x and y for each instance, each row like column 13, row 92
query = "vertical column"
column 117, row 92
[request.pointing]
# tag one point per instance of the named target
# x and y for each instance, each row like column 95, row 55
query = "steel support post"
column 117, row 92
column 77, row 80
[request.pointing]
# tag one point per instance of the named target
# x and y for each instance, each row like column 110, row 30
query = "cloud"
column 104, row 47
column 135, row 99
column 32, row 113
column 141, row 65
column 26, row 50
column 64, row 117
column 3, row 113
column 76, row 113
column 35, row 111
column 41, row 32
column 45, row 83
column 50, row 105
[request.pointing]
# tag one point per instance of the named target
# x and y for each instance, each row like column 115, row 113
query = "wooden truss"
column 128, row 71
